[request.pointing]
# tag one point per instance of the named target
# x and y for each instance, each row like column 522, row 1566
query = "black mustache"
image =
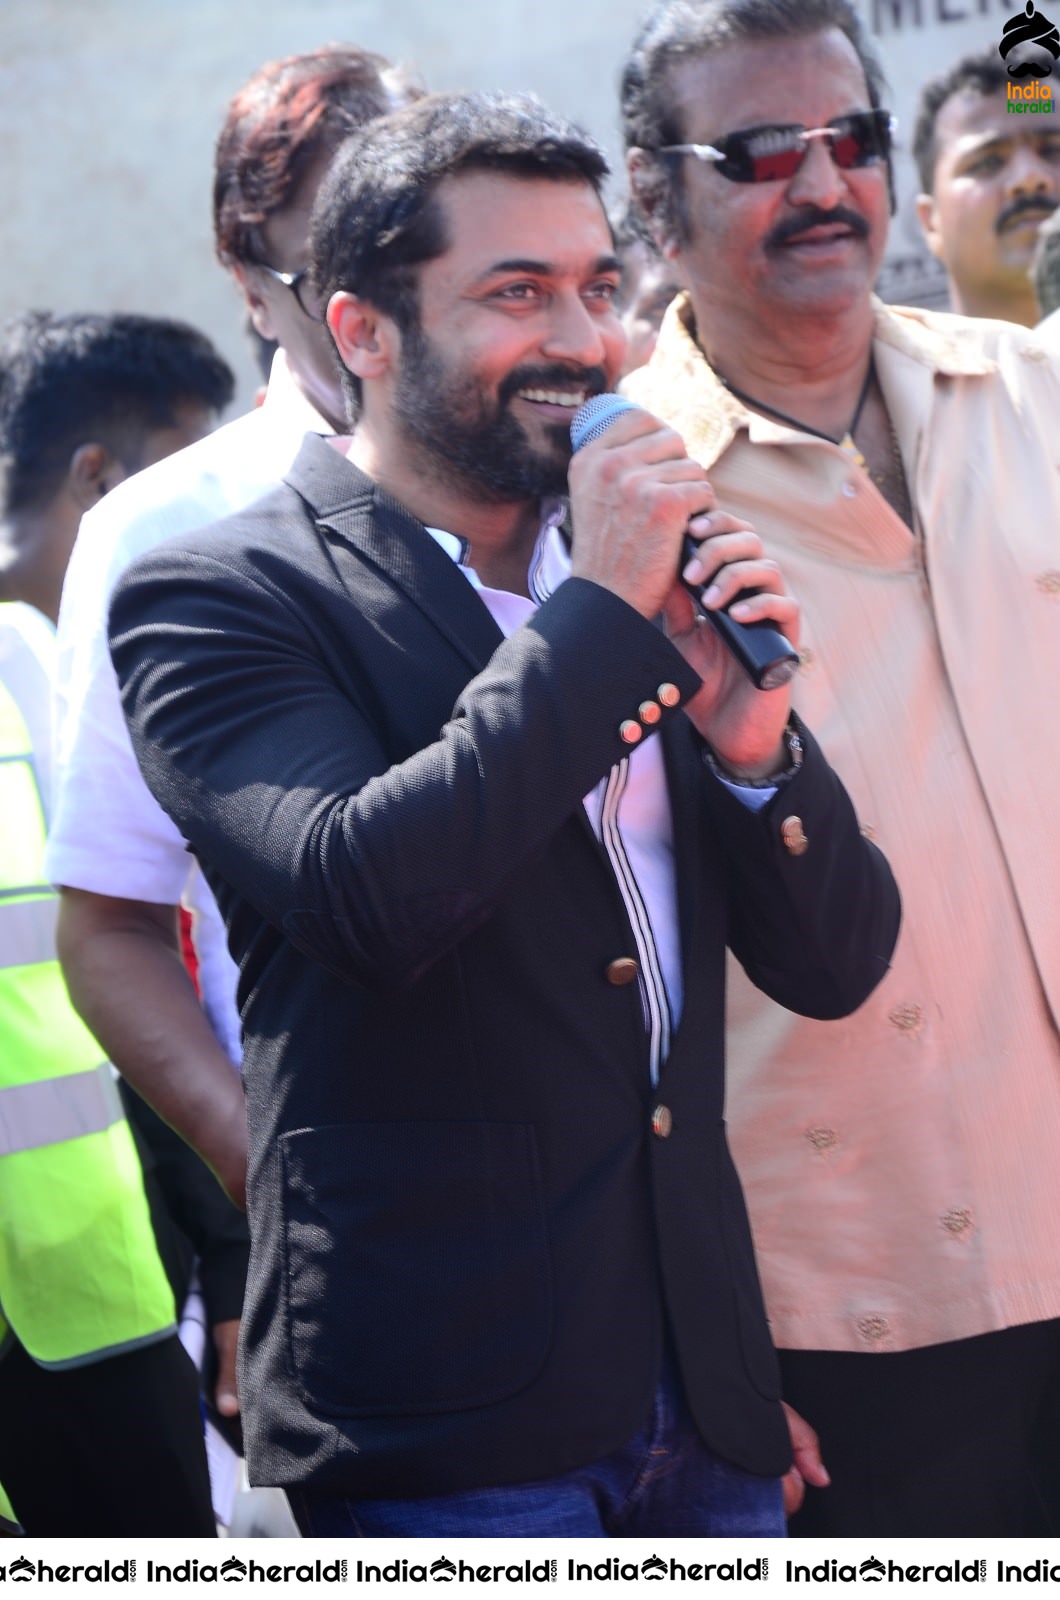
column 1021, row 206
column 813, row 217
column 1029, row 69
column 592, row 379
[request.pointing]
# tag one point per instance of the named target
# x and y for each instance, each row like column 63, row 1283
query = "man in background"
column 122, row 865
column 648, row 284
column 989, row 178
column 86, row 400
column 101, row 1429
column 1046, row 273
column 902, row 467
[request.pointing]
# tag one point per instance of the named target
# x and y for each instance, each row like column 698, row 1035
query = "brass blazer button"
column 650, row 712
column 621, row 971
column 795, row 840
column 630, row 732
column 668, row 694
column 662, row 1122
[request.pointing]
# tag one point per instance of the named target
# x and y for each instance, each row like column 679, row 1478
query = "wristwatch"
column 793, row 746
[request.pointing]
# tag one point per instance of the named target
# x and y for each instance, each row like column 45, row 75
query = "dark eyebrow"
column 545, row 269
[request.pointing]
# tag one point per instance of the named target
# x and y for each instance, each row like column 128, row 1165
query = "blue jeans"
column 663, row 1482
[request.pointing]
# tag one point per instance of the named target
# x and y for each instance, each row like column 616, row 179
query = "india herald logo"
column 1030, row 44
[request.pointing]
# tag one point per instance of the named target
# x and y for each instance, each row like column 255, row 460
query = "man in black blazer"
column 481, row 830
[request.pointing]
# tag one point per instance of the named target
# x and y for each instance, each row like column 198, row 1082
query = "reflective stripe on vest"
column 53, row 1110
column 22, row 812
column 27, row 929
column 80, row 1274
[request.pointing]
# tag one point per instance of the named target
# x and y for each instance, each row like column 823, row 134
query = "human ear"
column 92, row 473
column 644, row 185
column 365, row 338
column 928, row 217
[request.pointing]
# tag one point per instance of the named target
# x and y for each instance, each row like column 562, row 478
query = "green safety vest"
column 80, row 1275
column 8, row 1521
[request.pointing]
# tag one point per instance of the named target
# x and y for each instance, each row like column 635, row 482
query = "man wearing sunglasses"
column 900, row 1167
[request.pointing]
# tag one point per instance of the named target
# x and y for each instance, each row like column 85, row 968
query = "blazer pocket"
column 417, row 1267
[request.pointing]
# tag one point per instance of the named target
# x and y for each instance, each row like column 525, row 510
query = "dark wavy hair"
column 983, row 73
column 683, row 30
column 280, row 123
column 94, row 378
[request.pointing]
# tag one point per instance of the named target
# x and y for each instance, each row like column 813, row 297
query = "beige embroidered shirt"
column 903, row 1167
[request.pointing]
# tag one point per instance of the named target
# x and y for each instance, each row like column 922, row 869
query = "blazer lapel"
column 343, row 498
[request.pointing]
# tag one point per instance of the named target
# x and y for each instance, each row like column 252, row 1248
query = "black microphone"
column 761, row 649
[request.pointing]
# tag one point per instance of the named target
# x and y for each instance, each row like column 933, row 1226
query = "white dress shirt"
column 629, row 809
column 108, row 833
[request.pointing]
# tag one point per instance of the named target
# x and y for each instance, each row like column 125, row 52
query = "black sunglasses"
column 298, row 283
column 775, row 151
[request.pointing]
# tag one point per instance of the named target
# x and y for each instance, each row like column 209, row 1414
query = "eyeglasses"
column 775, row 151
column 300, row 287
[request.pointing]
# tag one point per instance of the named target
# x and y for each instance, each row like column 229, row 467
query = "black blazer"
column 466, row 1237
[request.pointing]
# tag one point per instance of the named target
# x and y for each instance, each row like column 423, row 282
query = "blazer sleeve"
column 273, row 761
column 813, row 908
column 279, row 776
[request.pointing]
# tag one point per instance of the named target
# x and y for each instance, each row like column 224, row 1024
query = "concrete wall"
column 109, row 109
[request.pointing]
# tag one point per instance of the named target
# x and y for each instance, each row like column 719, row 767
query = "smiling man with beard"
column 902, row 467
column 481, row 830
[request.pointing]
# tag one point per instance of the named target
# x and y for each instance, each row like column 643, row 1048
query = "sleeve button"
column 794, row 837
column 662, row 1122
column 621, row 971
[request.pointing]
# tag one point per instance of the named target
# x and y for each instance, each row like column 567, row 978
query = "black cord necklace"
column 845, row 443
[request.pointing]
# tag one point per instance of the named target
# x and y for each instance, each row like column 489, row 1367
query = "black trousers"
column 954, row 1439
column 114, row 1448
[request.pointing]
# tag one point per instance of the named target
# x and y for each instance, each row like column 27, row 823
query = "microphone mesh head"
column 597, row 414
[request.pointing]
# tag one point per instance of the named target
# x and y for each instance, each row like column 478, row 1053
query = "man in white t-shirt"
column 122, row 867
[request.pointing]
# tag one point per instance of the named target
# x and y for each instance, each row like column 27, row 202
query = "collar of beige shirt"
column 975, row 407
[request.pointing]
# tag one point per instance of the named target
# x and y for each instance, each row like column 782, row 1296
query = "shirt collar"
column 549, row 564
column 679, row 382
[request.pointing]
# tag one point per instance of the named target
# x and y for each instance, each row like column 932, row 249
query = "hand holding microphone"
column 765, row 655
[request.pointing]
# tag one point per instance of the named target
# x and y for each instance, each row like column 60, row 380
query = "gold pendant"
column 847, row 445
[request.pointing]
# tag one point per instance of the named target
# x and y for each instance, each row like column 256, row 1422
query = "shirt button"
column 807, row 659
column 906, row 1019
column 649, row 712
column 822, row 1138
column 874, row 1329
column 867, row 830
column 795, row 840
column 668, row 694
column 1049, row 582
column 621, row 971
column 662, row 1122
column 850, row 490
column 956, row 1221
column 630, row 732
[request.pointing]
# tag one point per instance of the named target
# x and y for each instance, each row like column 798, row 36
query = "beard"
column 474, row 439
